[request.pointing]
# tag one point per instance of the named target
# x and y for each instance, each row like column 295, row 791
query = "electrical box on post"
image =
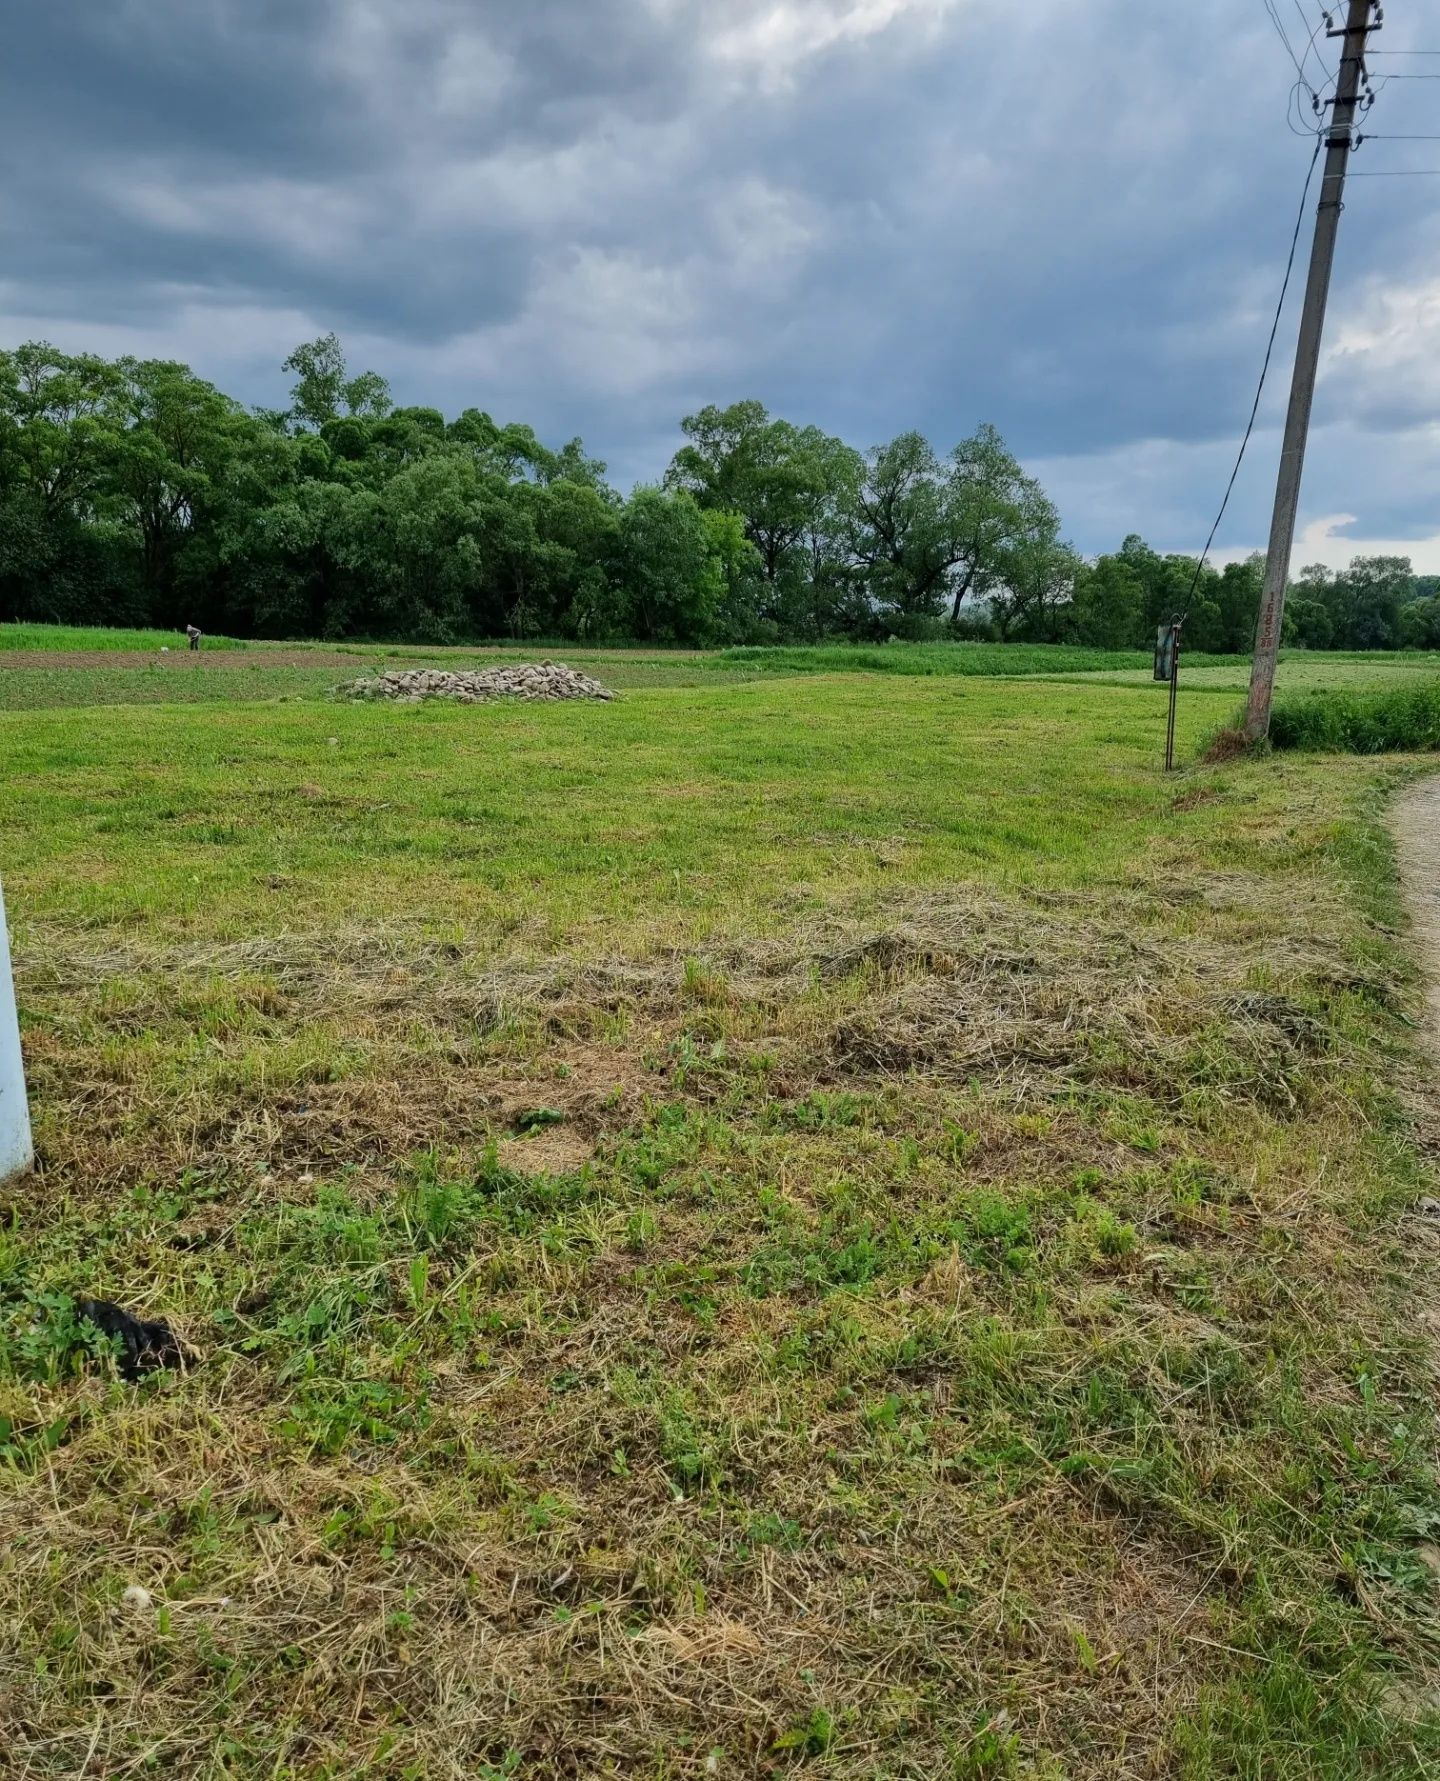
column 1165, row 653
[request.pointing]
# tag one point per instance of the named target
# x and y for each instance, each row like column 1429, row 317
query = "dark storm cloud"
column 276, row 82
column 598, row 214
column 83, row 76
column 363, row 101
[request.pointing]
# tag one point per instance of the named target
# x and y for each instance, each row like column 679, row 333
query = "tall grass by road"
column 1385, row 720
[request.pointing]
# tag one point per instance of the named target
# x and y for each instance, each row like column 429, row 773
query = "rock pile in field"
column 472, row 686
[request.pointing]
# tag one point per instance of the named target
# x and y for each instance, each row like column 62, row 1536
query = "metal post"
column 16, row 1150
column 1307, row 363
column 1174, row 694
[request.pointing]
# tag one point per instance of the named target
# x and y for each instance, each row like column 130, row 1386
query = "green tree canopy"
column 133, row 491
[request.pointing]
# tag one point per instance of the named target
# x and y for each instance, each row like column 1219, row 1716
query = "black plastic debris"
column 144, row 1347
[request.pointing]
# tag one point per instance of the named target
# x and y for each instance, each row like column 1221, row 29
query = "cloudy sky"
column 597, row 215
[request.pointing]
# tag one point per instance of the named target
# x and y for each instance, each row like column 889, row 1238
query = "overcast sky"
column 1068, row 217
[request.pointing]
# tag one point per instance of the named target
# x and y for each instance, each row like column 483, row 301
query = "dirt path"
column 1415, row 823
column 277, row 655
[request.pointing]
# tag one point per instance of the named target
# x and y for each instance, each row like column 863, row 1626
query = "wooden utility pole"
column 1307, row 362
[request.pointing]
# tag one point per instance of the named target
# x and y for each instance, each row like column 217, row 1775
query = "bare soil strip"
column 1416, row 824
column 180, row 658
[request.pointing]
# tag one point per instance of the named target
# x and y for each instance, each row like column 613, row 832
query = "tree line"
column 133, row 492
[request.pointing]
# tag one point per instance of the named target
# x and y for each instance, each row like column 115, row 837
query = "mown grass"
column 553, row 825
column 840, row 1226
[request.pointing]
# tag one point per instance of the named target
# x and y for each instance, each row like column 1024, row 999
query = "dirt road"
column 179, row 658
column 1415, row 823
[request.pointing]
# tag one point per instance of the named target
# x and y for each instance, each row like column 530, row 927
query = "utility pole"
column 1307, row 362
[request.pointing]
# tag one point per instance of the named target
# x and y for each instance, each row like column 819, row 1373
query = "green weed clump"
column 1387, row 720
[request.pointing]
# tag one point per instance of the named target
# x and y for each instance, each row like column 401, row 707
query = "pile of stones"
column 472, row 686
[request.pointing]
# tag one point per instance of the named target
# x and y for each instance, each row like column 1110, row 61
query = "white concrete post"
column 16, row 1149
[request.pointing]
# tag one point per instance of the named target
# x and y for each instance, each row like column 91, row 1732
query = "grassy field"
column 837, row 1224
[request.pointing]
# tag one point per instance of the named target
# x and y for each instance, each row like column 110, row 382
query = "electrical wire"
column 1309, row 50
column 1317, row 95
column 1260, row 387
column 1275, row 20
column 1292, row 110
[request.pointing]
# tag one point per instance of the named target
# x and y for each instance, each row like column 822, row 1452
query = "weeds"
column 1389, row 720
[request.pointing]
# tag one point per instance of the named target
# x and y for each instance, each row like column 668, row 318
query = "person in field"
column 194, row 633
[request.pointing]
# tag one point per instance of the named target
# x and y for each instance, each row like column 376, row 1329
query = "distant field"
column 228, row 679
column 1300, row 671
column 51, row 666
column 927, row 659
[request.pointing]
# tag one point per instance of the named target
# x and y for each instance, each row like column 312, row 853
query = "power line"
column 1302, row 84
column 1264, row 373
column 1292, row 108
column 1327, row 79
column 1275, row 20
column 1399, row 173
